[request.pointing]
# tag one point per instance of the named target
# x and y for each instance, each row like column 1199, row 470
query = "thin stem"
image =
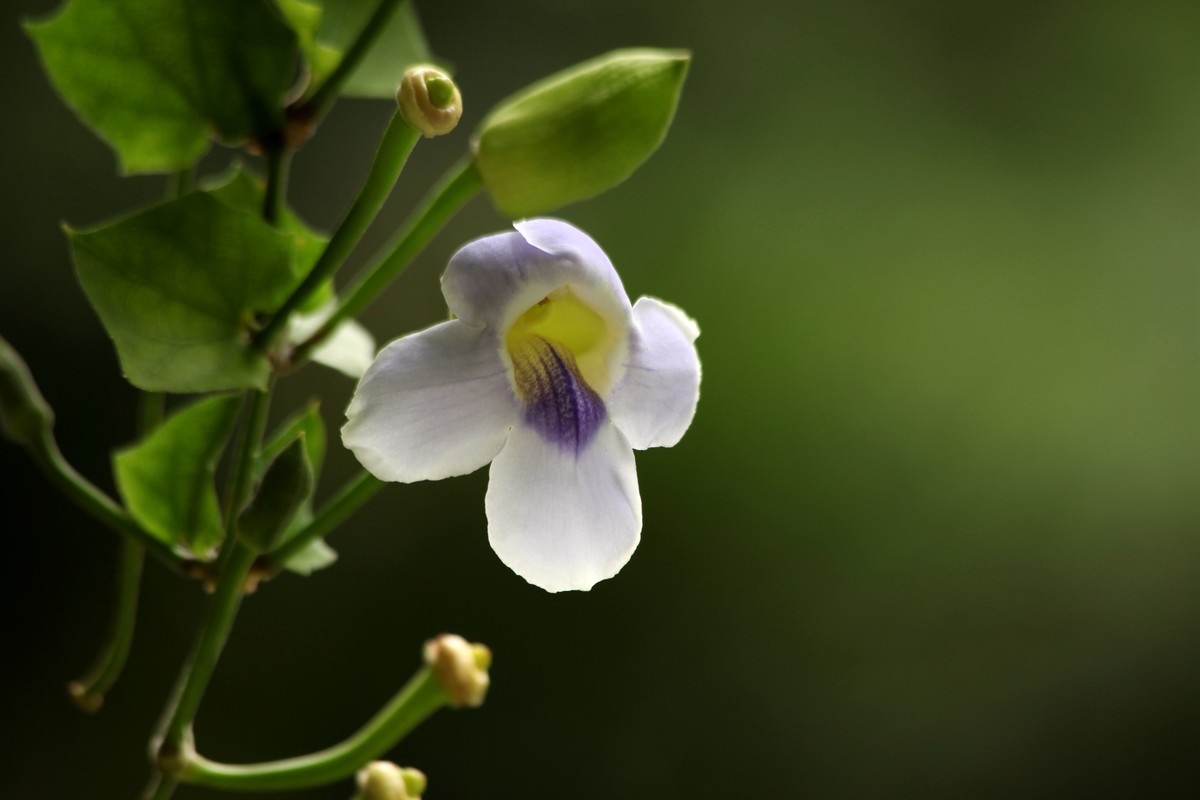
column 160, row 788
column 88, row 692
column 278, row 157
column 320, row 101
column 394, row 148
column 214, row 632
column 412, row 705
column 234, row 564
column 360, row 489
column 458, row 185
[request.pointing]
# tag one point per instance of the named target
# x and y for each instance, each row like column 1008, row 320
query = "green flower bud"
column 287, row 483
column 25, row 414
column 579, row 132
column 429, row 100
column 383, row 780
column 461, row 667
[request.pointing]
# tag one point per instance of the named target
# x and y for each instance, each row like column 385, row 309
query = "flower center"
column 559, row 349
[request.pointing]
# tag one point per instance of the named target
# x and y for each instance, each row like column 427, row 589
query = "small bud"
column 429, row 100
column 579, row 132
column 461, row 667
column 383, row 780
column 24, row 413
column 287, row 483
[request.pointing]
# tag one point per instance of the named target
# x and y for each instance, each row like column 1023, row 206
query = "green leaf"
column 166, row 480
column 155, row 78
column 579, row 132
column 242, row 191
column 286, row 486
column 306, row 423
column 326, row 28
column 177, row 288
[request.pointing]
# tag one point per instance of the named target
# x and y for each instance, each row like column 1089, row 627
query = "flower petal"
column 492, row 280
column 434, row 404
column 563, row 520
column 655, row 401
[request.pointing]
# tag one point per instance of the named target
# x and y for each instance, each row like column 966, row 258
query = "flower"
column 551, row 375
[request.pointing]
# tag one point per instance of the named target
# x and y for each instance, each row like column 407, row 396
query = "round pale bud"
column 429, row 100
column 383, row 780
column 461, row 667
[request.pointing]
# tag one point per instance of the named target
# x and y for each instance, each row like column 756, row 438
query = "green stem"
column 234, row 564
column 360, row 489
column 160, row 788
column 394, row 148
column 320, row 101
column 88, row 692
column 412, row 705
column 278, row 157
column 460, row 184
column 198, row 671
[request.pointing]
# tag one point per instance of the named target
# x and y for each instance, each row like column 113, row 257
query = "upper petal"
column 655, row 401
column 492, row 280
column 434, row 404
column 560, row 519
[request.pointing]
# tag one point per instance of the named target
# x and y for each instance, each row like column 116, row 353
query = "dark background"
column 934, row 532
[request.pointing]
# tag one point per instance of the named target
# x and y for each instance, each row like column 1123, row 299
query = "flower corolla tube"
column 548, row 372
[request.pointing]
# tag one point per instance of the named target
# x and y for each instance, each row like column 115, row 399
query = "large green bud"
column 579, row 132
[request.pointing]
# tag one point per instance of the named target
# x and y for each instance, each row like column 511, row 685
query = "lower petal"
column 564, row 520
column 434, row 404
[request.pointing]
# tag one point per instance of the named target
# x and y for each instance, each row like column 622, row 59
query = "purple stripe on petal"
column 557, row 402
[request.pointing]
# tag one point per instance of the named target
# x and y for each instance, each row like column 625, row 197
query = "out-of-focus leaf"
column 307, row 422
column 156, row 78
column 286, row 486
column 178, row 286
column 316, row 556
column 326, row 28
column 166, row 480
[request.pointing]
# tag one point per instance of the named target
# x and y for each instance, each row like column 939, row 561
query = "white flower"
column 550, row 374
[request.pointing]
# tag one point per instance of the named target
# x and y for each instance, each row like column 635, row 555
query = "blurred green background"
column 934, row 532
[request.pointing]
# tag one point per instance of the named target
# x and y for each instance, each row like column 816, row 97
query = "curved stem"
column 320, row 101
column 360, row 489
column 422, row 696
column 394, row 148
column 88, row 692
column 460, row 184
